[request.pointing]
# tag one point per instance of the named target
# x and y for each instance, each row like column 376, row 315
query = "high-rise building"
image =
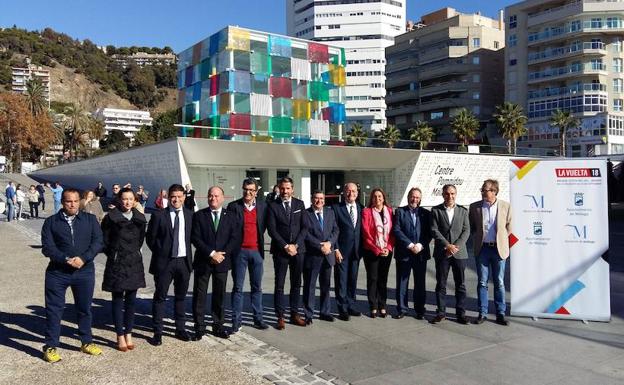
column 22, row 75
column 364, row 28
column 448, row 61
column 568, row 55
column 127, row 121
column 249, row 85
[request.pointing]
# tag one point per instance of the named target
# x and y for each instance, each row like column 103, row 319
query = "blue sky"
column 177, row 24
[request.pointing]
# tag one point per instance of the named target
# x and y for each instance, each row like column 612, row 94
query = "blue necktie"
column 320, row 218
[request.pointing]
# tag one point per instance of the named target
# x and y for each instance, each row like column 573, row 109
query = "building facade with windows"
column 447, row 62
column 22, row 75
column 127, row 121
column 143, row 59
column 246, row 85
column 568, row 55
column 364, row 28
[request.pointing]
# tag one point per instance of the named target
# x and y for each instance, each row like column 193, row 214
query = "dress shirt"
column 414, row 215
column 181, row 232
column 251, row 206
column 450, row 212
column 489, row 212
column 355, row 212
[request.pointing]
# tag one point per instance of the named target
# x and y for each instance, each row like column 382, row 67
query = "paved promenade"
column 362, row 351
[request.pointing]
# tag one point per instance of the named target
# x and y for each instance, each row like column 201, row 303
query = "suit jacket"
column 405, row 233
column 445, row 233
column 226, row 238
column 503, row 227
column 369, row 231
column 284, row 230
column 316, row 235
column 159, row 239
column 349, row 237
column 238, row 207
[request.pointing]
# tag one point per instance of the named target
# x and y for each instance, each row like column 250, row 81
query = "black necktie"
column 176, row 235
column 287, row 208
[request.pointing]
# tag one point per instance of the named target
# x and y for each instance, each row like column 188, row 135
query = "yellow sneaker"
column 91, row 349
column 51, row 355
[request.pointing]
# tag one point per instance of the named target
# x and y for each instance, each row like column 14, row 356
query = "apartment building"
column 22, row 75
column 143, row 59
column 448, row 61
column 364, row 28
column 567, row 54
column 127, row 121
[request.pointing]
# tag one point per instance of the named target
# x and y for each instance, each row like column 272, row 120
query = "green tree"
column 114, row 141
column 391, row 135
column 76, row 128
column 464, row 126
column 143, row 136
column 357, row 136
column 510, row 120
column 36, row 96
column 163, row 125
column 565, row 121
column 422, row 133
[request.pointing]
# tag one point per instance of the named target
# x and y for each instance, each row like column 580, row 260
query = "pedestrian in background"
column 41, row 190
column 161, row 201
column 33, row 201
column 57, row 192
column 100, row 190
column 20, row 198
column 90, row 204
column 189, row 197
column 124, row 232
column 143, row 196
column 9, row 193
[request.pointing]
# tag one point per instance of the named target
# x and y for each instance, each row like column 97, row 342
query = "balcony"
column 444, row 69
column 401, row 96
column 567, row 71
column 615, row 26
column 587, row 48
column 548, row 92
column 443, row 88
column 554, row 13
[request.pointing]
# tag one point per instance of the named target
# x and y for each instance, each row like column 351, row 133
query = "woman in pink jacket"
column 378, row 242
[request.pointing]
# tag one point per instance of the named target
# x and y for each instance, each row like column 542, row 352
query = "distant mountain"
column 83, row 73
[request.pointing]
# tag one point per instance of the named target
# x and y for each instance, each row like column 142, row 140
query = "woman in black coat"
column 124, row 232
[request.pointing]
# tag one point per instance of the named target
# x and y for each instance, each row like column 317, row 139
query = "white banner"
column 560, row 233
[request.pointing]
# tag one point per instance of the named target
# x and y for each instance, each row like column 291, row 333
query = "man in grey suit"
column 320, row 256
column 450, row 228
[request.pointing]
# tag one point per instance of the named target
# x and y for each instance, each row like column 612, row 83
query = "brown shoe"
column 439, row 318
column 281, row 324
column 295, row 319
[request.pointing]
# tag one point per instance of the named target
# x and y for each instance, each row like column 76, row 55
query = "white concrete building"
column 143, row 59
column 127, row 121
column 22, row 75
column 364, row 28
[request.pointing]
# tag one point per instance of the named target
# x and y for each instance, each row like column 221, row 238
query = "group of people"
column 307, row 244
column 16, row 199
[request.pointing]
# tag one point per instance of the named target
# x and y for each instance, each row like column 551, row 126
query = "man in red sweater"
column 252, row 218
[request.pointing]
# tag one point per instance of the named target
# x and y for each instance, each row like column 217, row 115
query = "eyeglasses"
column 488, row 190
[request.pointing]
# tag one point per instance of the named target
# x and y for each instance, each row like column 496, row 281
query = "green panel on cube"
column 281, row 127
column 241, row 103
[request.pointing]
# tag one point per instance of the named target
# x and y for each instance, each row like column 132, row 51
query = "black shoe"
column 354, row 313
column 398, row 315
column 157, row 339
column 343, row 316
column 420, row 316
column 500, row 319
column 260, row 325
column 221, row 333
column 480, row 319
column 462, row 319
column 308, row 321
column 235, row 328
column 373, row 314
column 182, row 335
column 437, row 319
column 383, row 313
column 326, row 317
column 198, row 335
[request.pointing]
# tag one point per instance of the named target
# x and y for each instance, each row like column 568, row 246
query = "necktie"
column 287, row 208
column 176, row 234
column 215, row 218
column 320, row 218
column 352, row 215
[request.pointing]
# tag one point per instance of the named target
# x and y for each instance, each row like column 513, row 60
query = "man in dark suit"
column 169, row 238
column 349, row 219
column 216, row 236
column 450, row 229
column 288, row 228
column 251, row 214
column 412, row 231
column 320, row 256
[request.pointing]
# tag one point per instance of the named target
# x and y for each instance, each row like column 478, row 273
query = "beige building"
column 20, row 76
column 567, row 54
column 449, row 60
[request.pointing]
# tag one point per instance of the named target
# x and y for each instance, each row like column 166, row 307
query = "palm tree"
column 390, row 135
column 464, row 126
column 357, row 136
column 35, row 94
column 565, row 121
column 511, row 120
column 422, row 133
column 77, row 123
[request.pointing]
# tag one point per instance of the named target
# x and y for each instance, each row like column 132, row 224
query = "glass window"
column 617, row 85
column 575, row 25
column 476, row 42
column 437, row 115
column 513, row 40
column 513, row 21
column 618, row 104
column 475, row 60
column 476, row 78
column 476, row 95
column 596, row 22
column 616, row 45
column 476, row 110
column 513, row 62
column 617, row 65
column 496, row 45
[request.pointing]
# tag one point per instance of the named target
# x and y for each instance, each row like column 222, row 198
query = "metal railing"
column 565, row 70
column 560, row 51
column 543, row 93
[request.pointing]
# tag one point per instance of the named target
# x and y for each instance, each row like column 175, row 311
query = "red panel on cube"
column 280, row 87
column 326, row 112
column 240, row 124
column 214, row 85
column 197, row 132
column 318, row 53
